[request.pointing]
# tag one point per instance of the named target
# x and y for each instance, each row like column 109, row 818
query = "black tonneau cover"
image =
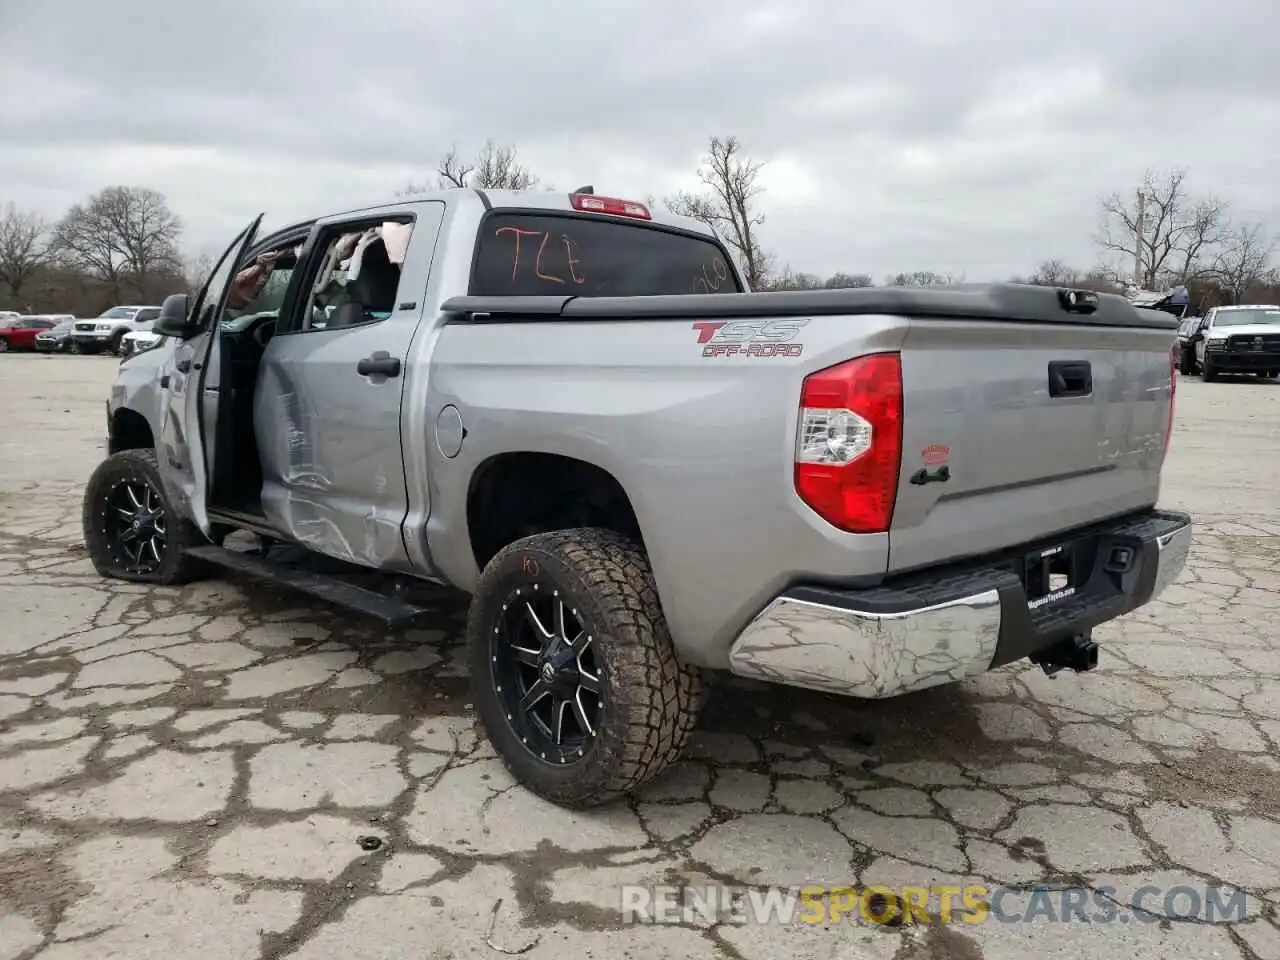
column 995, row 301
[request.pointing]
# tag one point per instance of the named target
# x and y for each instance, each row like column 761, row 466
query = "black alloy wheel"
column 545, row 673
column 573, row 670
column 130, row 529
column 135, row 526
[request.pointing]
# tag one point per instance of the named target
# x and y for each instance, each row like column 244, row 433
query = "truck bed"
column 1026, row 411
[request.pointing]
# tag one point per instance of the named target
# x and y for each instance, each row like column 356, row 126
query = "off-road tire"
column 140, row 465
column 651, row 699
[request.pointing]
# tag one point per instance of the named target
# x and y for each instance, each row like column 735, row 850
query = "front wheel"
column 1207, row 373
column 116, row 345
column 131, row 530
column 4, row 345
column 573, row 670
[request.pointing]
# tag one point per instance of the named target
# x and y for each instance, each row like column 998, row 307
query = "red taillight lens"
column 849, row 446
column 1173, row 390
column 590, row 203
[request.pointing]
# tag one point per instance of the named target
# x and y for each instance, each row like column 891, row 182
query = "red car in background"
column 20, row 334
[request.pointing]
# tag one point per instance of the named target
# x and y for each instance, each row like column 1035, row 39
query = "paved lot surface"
column 201, row 773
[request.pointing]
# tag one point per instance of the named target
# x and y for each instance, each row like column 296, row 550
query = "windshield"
column 118, row 313
column 550, row 254
column 63, row 326
column 1239, row 318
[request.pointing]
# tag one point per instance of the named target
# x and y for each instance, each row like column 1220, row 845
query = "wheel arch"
column 129, row 430
column 517, row 494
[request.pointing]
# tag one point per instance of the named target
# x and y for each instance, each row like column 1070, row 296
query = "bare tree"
column 453, row 170
column 495, row 167
column 23, row 248
column 1054, row 273
column 1164, row 231
column 196, row 271
column 1244, row 261
column 845, row 281
column 730, row 206
column 788, row 279
column 118, row 233
column 923, row 278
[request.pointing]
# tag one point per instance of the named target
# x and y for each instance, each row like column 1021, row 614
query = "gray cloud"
column 973, row 138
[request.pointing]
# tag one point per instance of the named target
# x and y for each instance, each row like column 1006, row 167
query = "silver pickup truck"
column 568, row 407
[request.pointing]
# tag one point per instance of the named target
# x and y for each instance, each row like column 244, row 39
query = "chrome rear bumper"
column 945, row 626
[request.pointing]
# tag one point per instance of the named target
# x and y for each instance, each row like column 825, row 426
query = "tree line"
column 124, row 243
column 121, row 245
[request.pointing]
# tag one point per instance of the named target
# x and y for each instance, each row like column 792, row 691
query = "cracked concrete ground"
column 226, row 771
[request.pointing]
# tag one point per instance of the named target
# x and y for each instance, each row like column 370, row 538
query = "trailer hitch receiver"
column 1078, row 652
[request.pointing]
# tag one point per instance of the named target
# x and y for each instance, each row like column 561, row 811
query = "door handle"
column 380, row 364
column 1070, row 378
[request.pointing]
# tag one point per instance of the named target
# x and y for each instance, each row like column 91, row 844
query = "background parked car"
column 1190, row 332
column 20, row 334
column 108, row 330
column 9, row 315
column 56, row 339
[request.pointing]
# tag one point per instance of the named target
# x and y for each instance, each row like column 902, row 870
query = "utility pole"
column 1139, row 240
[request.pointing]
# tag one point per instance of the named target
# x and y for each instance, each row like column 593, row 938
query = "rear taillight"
column 1173, row 390
column 590, row 203
column 849, row 446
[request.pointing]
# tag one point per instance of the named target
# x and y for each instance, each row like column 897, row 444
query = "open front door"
column 188, row 410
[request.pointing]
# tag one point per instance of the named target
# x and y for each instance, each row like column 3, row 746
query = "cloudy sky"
column 904, row 135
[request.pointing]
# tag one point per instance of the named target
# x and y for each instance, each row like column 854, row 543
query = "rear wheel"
column 131, row 530
column 4, row 345
column 573, row 670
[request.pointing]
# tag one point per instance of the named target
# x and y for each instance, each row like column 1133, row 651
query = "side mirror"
column 172, row 321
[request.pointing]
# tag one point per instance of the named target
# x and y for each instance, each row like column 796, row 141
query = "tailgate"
column 1013, row 431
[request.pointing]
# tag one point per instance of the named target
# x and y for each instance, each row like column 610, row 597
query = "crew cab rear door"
column 181, row 446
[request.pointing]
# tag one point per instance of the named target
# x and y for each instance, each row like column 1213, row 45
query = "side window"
column 146, row 315
column 354, row 275
column 260, row 286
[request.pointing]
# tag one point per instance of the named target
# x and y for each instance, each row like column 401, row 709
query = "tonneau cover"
column 992, row 302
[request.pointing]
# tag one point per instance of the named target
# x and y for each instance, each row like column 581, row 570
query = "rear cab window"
column 519, row 253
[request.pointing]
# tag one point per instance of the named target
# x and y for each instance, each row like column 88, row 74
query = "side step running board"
column 392, row 612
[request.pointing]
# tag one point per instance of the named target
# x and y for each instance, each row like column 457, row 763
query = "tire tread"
column 657, row 694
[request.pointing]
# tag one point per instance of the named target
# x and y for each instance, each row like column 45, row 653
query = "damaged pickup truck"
column 570, row 408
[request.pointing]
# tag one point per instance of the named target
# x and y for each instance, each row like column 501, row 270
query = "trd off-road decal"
column 935, row 454
column 935, row 469
column 749, row 338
